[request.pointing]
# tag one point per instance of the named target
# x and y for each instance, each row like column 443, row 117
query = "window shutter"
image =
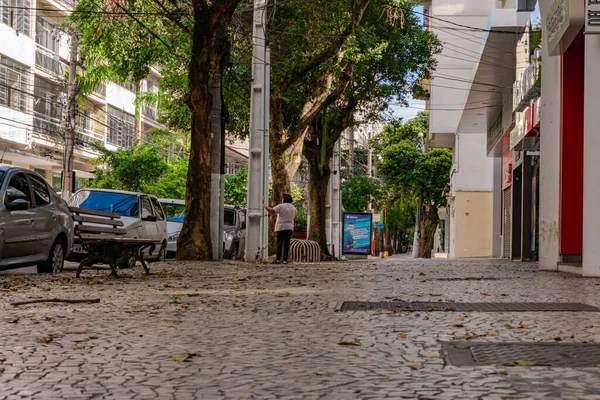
column 5, row 11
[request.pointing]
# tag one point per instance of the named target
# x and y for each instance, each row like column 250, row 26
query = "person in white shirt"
column 284, row 226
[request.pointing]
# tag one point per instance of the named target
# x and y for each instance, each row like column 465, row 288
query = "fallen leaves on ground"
column 185, row 358
column 402, row 336
column 44, row 340
column 416, row 366
column 325, row 373
column 348, row 343
column 499, row 373
column 493, row 334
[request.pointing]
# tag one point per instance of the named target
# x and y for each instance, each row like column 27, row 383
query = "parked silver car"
column 234, row 221
column 36, row 227
column 142, row 216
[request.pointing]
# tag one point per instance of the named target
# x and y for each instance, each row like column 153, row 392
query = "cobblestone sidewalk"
column 238, row 331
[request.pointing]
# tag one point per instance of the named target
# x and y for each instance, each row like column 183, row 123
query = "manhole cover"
column 472, row 278
column 570, row 355
column 424, row 306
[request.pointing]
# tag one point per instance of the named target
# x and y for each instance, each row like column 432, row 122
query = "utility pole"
column 257, row 229
column 216, row 206
column 69, row 121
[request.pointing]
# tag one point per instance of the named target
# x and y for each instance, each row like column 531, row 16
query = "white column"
column 549, row 157
column 591, row 159
column 336, row 201
column 259, row 154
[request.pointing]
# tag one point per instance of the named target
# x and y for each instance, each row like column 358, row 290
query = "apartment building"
column 471, row 111
column 33, row 57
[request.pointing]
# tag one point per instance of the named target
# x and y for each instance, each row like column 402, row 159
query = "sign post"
column 357, row 234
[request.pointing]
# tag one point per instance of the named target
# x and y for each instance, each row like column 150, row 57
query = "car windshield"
column 174, row 212
column 124, row 204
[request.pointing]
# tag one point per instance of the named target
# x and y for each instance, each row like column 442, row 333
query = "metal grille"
column 507, row 228
column 571, row 355
column 425, row 306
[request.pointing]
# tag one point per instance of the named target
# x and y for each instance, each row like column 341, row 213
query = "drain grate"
column 569, row 355
column 462, row 307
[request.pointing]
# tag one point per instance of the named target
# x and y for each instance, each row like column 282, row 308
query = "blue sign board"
column 380, row 225
column 357, row 233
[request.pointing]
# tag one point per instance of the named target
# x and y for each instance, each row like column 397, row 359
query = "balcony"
column 100, row 91
column 527, row 88
column 150, row 112
column 48, row 61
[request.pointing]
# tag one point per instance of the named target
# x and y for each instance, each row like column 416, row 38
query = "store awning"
column 489, row 109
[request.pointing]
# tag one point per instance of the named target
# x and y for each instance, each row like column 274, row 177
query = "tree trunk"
column 194, row 242
column 284, row 162
column 318, row 183
column 429, row 226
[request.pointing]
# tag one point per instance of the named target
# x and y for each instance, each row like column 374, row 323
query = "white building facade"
column 471, row 108
column 33, row 56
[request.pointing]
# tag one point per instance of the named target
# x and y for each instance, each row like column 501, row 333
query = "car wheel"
column 162, row 254
column 56, row 259
column 235, row 249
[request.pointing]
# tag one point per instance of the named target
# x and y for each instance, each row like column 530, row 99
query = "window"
column 229, row 217
column 174, row 212
column 14, row 85
column 41, row 194
column 157, row 209
column 16, row 14
column 124, row 204
column 47, row 35
column 146, row 207
column 56, row 182
column 47, row 101
column 18, row 188
column 121, row 128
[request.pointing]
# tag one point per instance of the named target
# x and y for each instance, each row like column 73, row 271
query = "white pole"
column 258, row 157
column 265, row 166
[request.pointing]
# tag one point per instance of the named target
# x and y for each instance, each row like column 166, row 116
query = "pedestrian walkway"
column 238, row 331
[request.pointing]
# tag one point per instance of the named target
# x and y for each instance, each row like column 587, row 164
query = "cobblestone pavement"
column 238, row 331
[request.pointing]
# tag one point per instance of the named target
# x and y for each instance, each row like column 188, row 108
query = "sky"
column 415, row 105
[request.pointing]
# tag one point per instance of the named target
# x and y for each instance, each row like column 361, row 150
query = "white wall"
column 549, row 155
column 20, row 48
column 14, row 125
column 120, row 97
column 475, row 169
column 591, row 159
column 459, row 55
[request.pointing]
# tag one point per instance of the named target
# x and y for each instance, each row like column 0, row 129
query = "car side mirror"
column 150, row 218
column 17, row 205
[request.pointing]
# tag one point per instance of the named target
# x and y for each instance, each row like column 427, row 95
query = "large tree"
column 406, row 166
column 386, row 54
column 188, row 38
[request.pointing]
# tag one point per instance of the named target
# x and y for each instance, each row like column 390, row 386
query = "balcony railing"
column 101, row 91
column 150, row 113
column 48, row 61
column 527, row 87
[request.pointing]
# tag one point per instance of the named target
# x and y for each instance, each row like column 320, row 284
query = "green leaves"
column 236, row 188
column 357, row 192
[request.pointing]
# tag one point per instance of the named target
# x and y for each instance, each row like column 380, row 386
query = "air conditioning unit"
column 526, row 5
column 592, row 16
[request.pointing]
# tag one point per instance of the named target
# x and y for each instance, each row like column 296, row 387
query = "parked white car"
column 142, row 216
column 233, row 222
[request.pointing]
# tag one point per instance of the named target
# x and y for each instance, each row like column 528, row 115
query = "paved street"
column 231, row 330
